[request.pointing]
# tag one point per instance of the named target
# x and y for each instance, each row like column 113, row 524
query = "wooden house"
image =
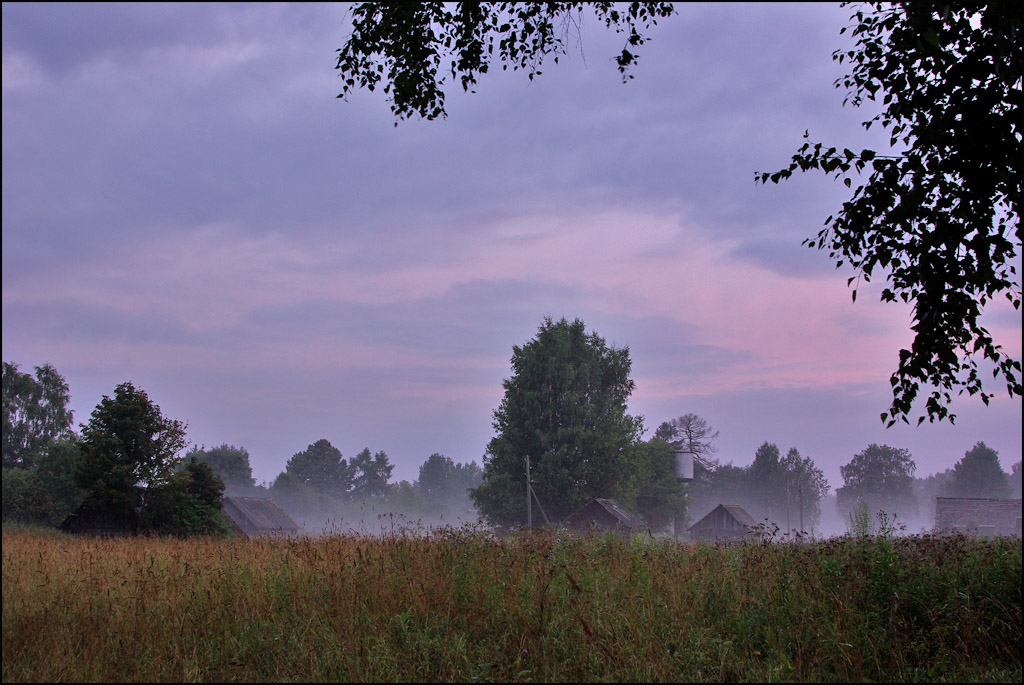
column 724, row 522
column 257, row 516
column 605, row 515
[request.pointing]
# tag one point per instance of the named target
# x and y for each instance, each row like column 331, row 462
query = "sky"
column 188, row 206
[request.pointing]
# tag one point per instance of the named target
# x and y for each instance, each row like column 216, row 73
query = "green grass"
column 463, row 606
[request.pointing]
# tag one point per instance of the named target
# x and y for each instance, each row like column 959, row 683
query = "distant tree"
column 442, row 480
column 978, row 474
column 661, row 498
column 230, row 463
column 883, row 478
column 372, row 474
column 35, row 413
column 691, row 433
column 1015, row 485
column 784, row 487
column 927, row 489
column 127, row 444
column 806, row 486
column 187, row 504
column 322, row 468
column 565, row 408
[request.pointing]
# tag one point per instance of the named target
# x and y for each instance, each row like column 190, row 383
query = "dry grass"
column 462, row 606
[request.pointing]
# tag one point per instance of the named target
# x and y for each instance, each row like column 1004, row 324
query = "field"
column 464, row 606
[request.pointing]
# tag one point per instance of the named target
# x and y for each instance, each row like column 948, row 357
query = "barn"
column 257, row 516
column 88, row 519
column 978, row 516
column 724, row 522
column 605, row 515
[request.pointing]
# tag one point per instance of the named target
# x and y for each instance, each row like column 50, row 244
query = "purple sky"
column 187, row 205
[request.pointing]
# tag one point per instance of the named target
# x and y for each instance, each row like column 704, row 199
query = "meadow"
column 462, row 605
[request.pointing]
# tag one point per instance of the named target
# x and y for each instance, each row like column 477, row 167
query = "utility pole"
column 529, row 497
column 789, row 528
column 800, row 497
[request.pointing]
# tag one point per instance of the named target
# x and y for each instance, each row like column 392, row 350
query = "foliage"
column 443, row 480
column 26, row 498
column 460, row 606
column 46, row 493
column 405, row 45
column 187, row 504
column 939, row 215
column 127, row 444
column 322, row 468
column 565, row 408
column 978, row 474
column 1015, row 480
column 35, row 413
column 230, row 463
column 372, row 474
column 882, row 477
column 786, row 490
column 860, row 519
column 692, row 433
column 661, row 498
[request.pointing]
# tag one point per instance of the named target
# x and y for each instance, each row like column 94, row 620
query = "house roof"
column 621, row 514
column 258, row 514
column 734, row 510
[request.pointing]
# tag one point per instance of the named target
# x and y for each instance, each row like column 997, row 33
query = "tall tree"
column 692, row 433
column 230, row 463
column 321, row 467
column 940, row 216
column 35, row 413
column 883, row 478
column 565, row 408
column 127, row 444
column 372, row 474
column 978, row 474
column 442, row 480
column 784, row 489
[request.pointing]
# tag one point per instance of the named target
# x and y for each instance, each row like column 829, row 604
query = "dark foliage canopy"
column 978, row 474
column 406, row 45
column 35, row 413
column 321, row 467
column 565, row 408
column 881, row 476
column 127, row 444
column 940, row 214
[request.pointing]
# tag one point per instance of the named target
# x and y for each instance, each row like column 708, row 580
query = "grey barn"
column 724, row 522
column 605, row 515
column 258, row 516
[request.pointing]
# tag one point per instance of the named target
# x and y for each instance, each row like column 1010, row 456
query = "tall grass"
column 463, row 606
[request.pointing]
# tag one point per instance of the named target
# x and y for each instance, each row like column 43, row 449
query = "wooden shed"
column 605, row 515
column 258, row 516
column 724, row 522
column 90, row 519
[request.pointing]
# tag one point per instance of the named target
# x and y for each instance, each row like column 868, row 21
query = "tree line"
column 126, row 465
column 563, row 416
